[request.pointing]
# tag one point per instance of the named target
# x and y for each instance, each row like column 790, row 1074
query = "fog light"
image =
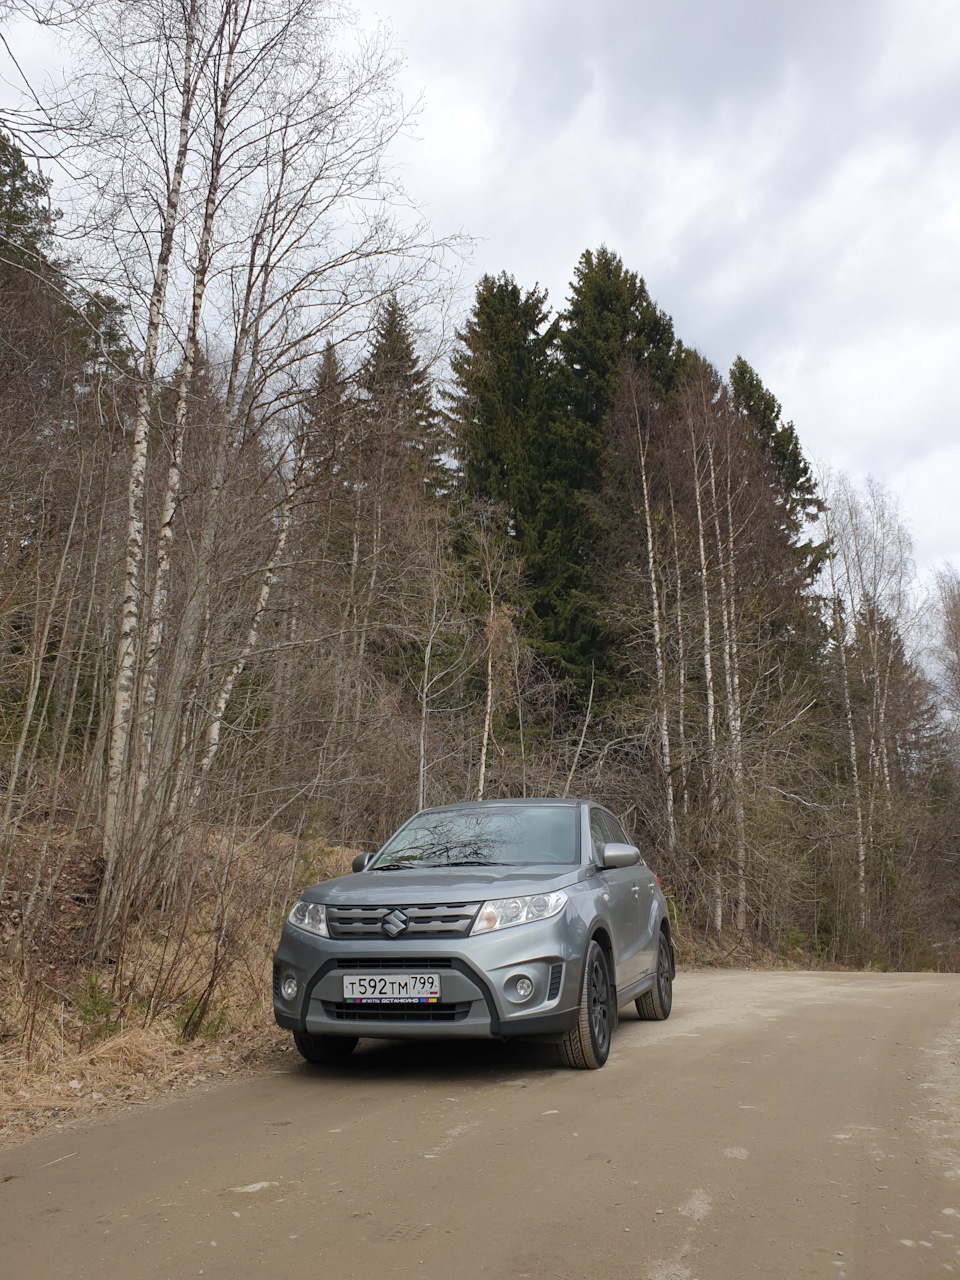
column 289, row 988
column 524, row 988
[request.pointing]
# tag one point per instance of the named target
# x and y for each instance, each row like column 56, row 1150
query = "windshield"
column 514, row 835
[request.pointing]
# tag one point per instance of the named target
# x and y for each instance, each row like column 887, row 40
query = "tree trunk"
column 662, row 703
column 713, row 789
column 732, row 688
column 125, row 679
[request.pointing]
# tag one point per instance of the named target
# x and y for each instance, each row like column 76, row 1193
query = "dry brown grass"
column 187, row 998
column 733, row 950
column 136, row 1066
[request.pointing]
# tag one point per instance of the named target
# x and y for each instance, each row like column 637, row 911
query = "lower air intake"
column 395, row 1012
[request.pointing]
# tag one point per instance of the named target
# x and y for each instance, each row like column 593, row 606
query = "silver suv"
column 496, row 919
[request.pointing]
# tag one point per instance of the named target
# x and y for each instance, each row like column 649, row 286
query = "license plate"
column 392, row 988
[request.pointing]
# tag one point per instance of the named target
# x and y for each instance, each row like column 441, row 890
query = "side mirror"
column 620, row 855
column 361, row 860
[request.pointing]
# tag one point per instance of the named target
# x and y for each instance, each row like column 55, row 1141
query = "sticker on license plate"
column 392, row 988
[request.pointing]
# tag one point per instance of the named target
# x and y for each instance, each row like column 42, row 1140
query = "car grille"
column 556, row 973
column 396, row 1012
column 441, row 920
column 276, row 981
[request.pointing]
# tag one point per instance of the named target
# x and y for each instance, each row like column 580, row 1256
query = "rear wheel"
column 655, row 1005
column 587, row 1045
column 324, row 1049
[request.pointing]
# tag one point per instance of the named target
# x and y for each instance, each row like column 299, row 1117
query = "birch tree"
column 242, row 188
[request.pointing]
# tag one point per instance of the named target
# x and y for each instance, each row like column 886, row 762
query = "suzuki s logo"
column 394, row 923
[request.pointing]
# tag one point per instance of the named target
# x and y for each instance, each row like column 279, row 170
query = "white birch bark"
column 662, row 703
column 424, row 703
column 681, row 664
column 124, row 684
column 848, row 716
column 731, row 686
column 487, row 712
column 714, row 788
column 582, row 739
column 171, row 500
column 214, row 728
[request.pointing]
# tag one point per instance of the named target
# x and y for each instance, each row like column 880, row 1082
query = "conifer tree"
column 500, row 404
column 325, row 410
column 798, row 494
column 516, row 452
column 398, row 389
column 532, row 406
column 610, row 317
column 25, row 216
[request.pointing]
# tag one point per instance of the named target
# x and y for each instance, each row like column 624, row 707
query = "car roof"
column 567, row 802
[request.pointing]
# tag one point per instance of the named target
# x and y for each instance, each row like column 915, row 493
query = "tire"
column 655, row 1005
column 587, row 1045
column 324, row 1049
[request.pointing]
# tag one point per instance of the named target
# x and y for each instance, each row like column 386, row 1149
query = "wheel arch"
column 665, row 928
column 599, row 934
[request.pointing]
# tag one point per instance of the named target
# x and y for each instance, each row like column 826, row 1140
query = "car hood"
column 434, row 885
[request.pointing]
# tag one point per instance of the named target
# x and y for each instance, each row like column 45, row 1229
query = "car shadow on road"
column 435, row 1061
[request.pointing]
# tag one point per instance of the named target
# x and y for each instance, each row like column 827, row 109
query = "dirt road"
column 779, row 1125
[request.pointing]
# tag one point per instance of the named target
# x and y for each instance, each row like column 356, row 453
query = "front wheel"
column 587, row 1045
column 324, row 1049
column 655, row 1005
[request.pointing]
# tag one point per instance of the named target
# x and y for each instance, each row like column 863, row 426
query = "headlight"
column 503, row 913
column 311, row 916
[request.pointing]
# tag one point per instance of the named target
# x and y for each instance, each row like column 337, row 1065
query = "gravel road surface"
column 778, row 1125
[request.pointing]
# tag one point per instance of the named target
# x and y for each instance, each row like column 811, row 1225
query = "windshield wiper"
column 416, row 866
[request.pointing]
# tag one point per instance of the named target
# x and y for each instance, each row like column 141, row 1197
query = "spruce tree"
column 26, row 221
column 531, row 407
column 325, row 409
column 514, row 453
column 610, row 317
column 797, row 490
column 398, row 391
column 500, row 405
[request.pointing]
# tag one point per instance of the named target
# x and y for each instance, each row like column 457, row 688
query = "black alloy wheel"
column 587, row 1045
column 655, row 1005
column 600, row 1002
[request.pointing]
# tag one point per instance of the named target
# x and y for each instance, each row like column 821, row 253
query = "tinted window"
column 598, row 832
column 617, row 834
column 510, row 835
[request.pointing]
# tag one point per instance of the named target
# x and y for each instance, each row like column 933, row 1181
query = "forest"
column 297, row 539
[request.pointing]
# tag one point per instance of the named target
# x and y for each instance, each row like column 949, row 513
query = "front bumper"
column 476, row 982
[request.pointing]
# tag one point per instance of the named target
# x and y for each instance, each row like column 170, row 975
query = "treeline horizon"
column 269, row 583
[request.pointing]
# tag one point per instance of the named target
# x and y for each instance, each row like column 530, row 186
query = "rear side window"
column 598, row 832
column 616, row 831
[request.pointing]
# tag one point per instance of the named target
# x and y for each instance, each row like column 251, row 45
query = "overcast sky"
column 785, row 176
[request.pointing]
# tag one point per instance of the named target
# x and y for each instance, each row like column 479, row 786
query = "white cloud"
column 786, row 178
